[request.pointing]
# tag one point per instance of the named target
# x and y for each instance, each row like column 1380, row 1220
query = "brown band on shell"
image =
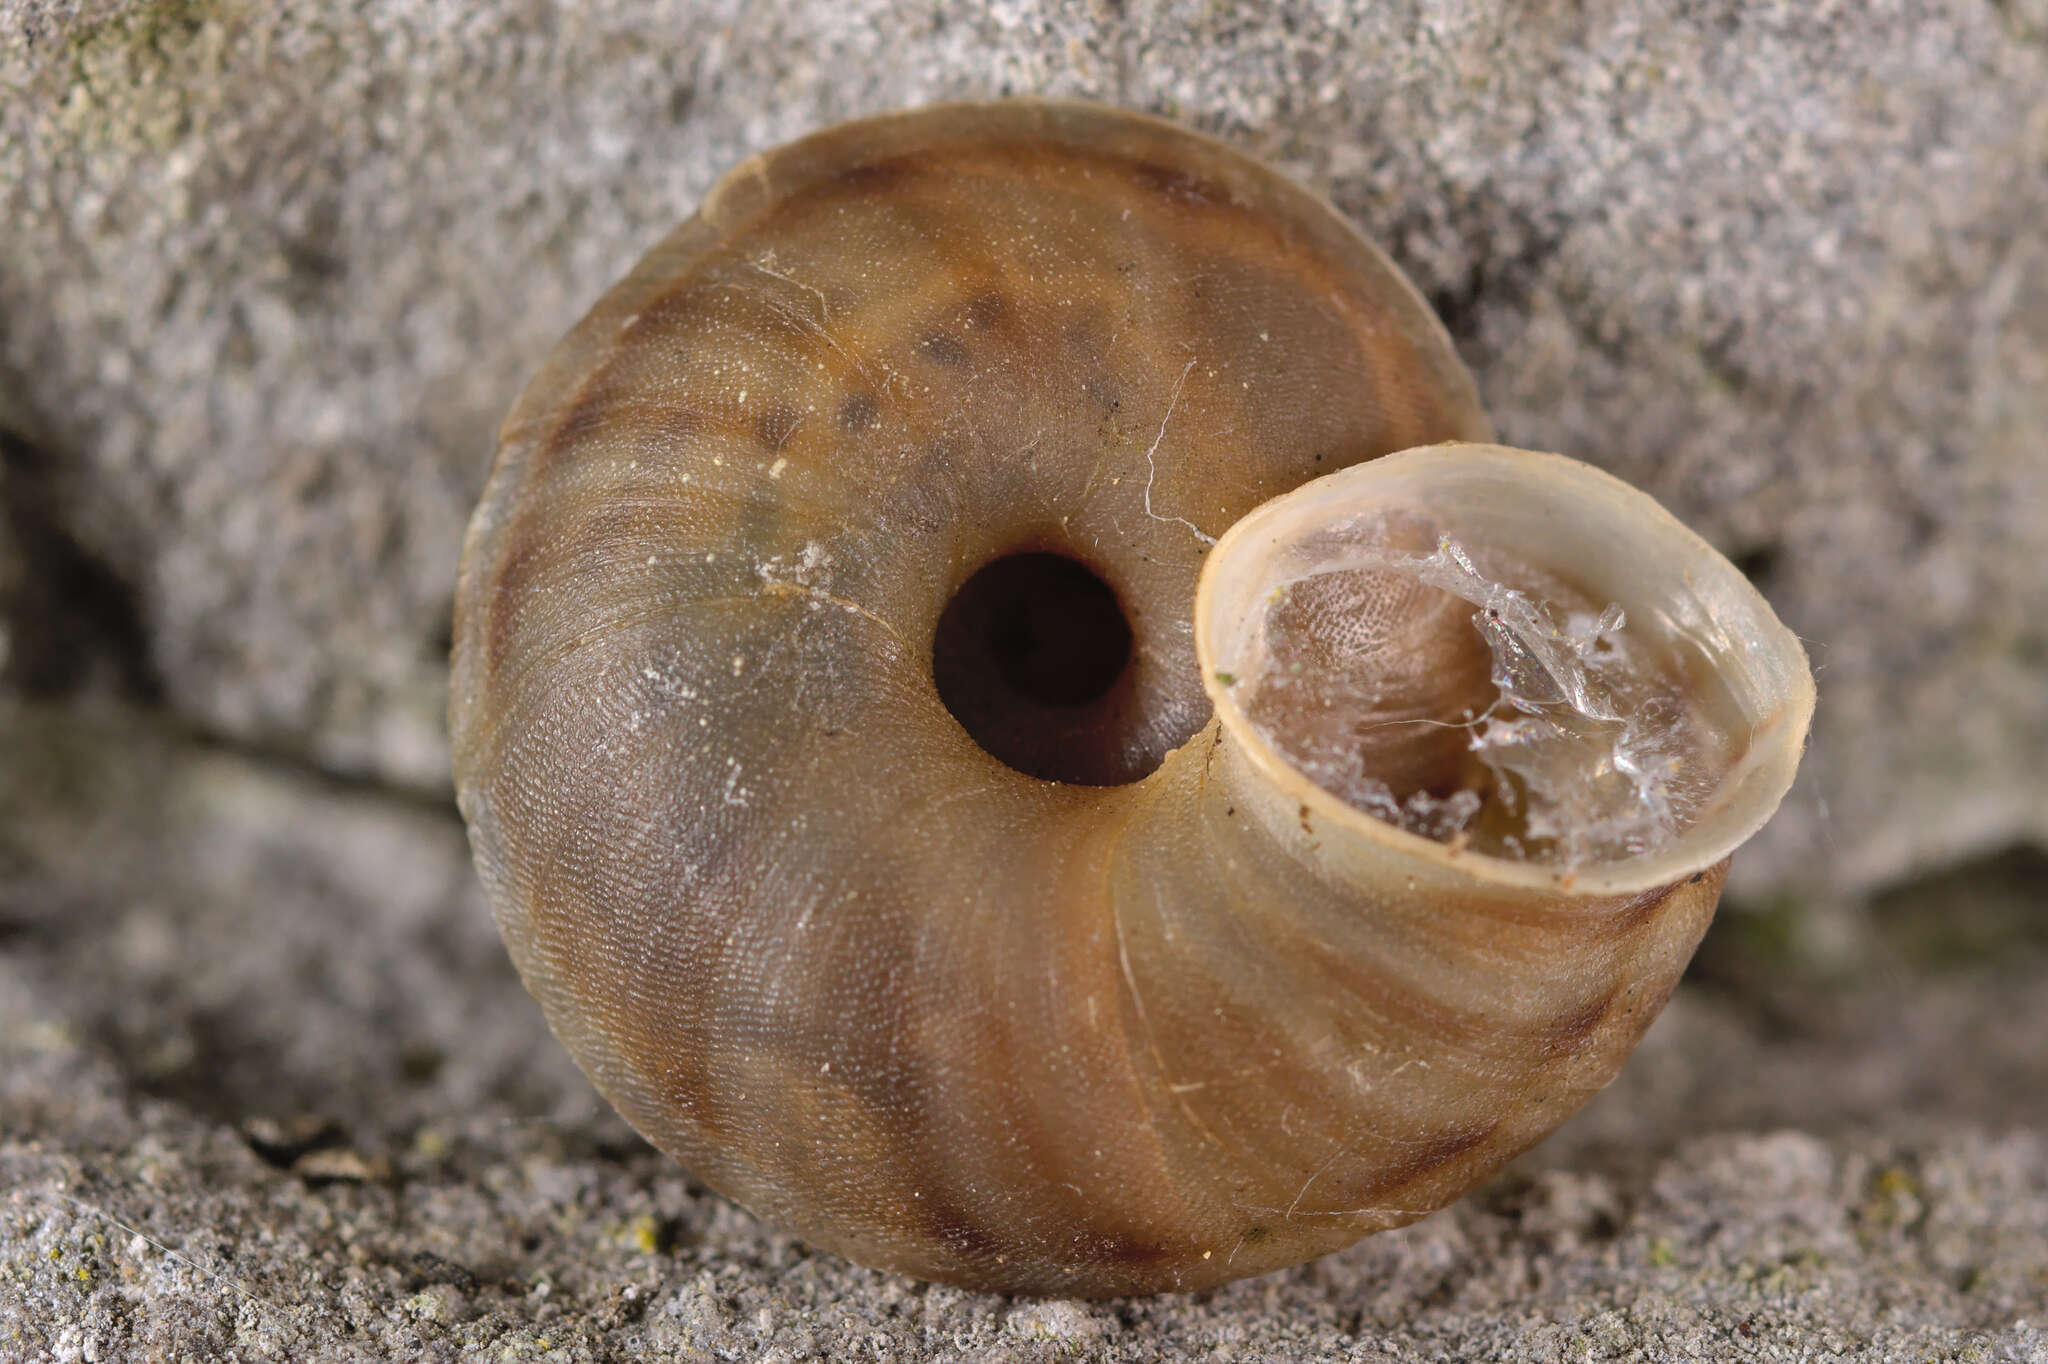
column 810, row 936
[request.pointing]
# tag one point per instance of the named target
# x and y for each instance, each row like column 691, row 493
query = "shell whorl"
column 1170, row 1021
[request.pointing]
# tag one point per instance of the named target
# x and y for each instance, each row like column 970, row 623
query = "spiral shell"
column 1113, row 993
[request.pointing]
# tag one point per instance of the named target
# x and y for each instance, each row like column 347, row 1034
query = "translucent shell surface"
column 1184, row 1014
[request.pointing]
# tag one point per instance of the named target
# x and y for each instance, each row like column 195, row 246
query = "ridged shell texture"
column 1153, row 1026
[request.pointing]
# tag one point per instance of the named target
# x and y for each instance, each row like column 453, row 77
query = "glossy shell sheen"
column 1190, row 1021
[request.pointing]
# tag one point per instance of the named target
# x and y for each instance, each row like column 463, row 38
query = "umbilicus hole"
column 1032, row 656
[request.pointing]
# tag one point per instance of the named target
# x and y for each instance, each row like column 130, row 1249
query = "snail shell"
column 1084, row 993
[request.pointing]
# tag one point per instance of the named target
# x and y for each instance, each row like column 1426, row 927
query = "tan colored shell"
column 807, row 935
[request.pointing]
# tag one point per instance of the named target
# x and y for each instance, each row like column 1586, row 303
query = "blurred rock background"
column 270, row 275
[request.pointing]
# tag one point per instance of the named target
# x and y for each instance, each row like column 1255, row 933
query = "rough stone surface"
column 268, row 1087
column 273, row 273
column 269, row 1091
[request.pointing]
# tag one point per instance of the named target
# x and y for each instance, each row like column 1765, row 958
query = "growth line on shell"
column 1123, row 954
column 1406, row 1214
column 1321, row 1170
column 816, row 327
column 765, row 265
column 777, row 587
column 1151, row 459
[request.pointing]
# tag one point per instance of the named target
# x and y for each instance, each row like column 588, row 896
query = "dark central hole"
column 1029, row 656
column 1052, row 629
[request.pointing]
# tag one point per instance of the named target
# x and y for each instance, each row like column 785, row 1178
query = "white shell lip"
column 1629, row 549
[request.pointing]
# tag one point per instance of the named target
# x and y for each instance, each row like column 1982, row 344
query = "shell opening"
column 1465, row 646
column 1032, row 656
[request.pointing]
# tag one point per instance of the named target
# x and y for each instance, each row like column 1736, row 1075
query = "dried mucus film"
column 1513, row 717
